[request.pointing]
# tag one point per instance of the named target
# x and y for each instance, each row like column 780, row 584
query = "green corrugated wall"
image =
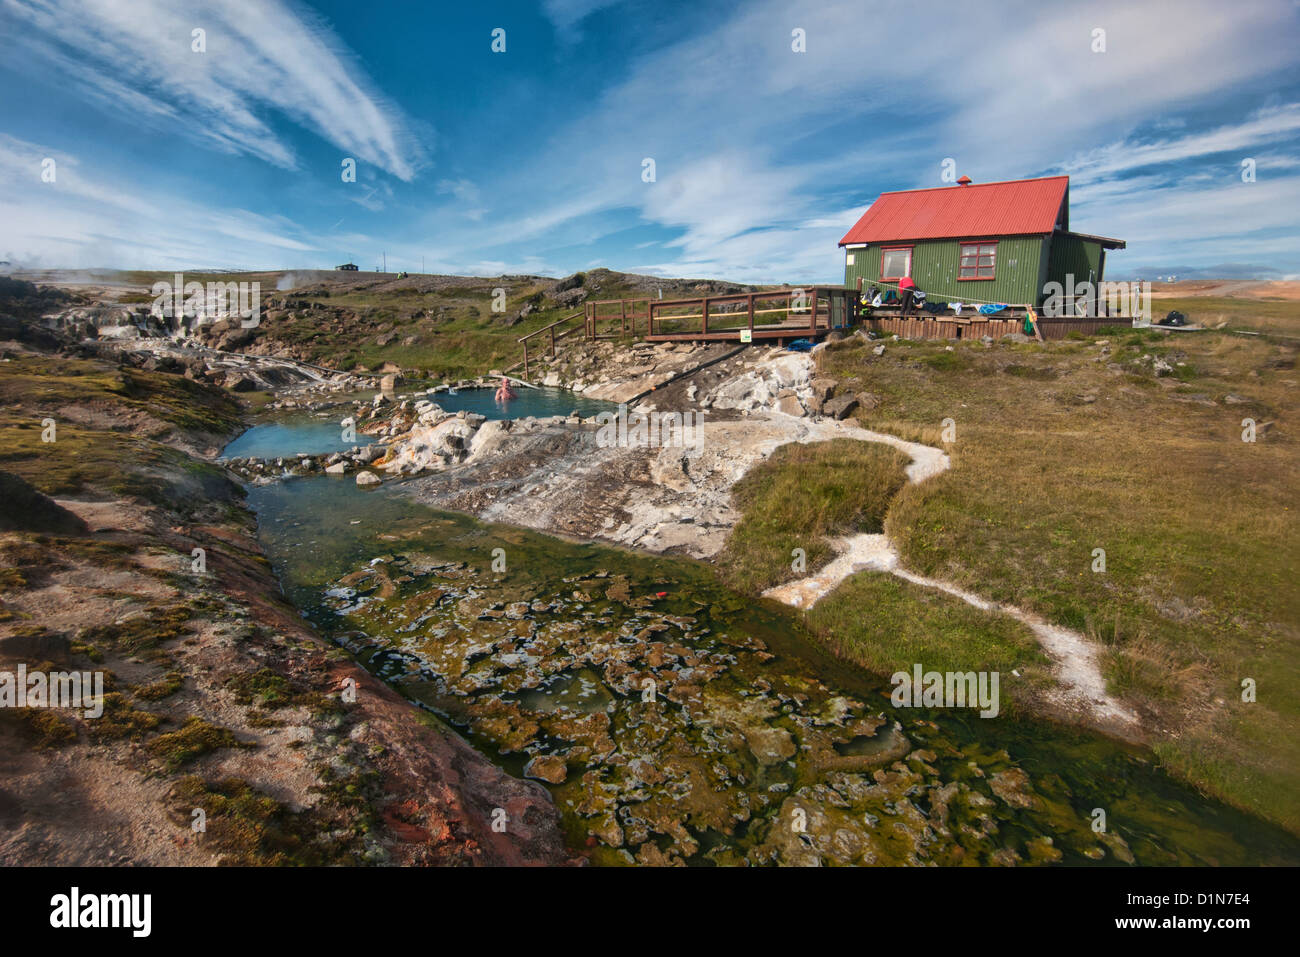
column 1070, row 254
column 1019, row 272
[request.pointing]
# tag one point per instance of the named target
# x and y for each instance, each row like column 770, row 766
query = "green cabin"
column 988, row 243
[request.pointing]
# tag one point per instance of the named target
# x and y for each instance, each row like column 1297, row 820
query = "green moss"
column 246, row 827
column 41, row 727
column 265, row 689
column 192, row 740
column 142, row 634
column 164, row 687
column 120, row 720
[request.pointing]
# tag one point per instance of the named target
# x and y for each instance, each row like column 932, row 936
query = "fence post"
column 525, row 358
column 751, row 315
column 812, row 325
column 704, row 324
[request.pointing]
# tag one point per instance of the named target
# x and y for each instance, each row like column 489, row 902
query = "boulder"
column 840, row 406
column 239, row 382
column 821, row 389
column 790, row 405
column 367, row 479
column 547, row 767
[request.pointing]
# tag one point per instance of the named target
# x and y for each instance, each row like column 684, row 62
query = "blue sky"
column 530, row 161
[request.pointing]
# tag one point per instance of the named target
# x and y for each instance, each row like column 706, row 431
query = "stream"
column 676, row 721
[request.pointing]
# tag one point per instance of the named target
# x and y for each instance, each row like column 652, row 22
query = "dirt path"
column 1080, row 687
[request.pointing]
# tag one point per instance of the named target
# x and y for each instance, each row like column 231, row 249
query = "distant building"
column 347, row 267
column 993, row 242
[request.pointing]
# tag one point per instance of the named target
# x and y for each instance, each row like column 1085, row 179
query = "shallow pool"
column 320, row 433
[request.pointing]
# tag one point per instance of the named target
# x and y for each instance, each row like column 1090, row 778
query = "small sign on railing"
column 746, row 335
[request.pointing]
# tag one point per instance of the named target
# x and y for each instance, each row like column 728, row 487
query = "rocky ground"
column 124, row 552
column 669, row 733
column 557, row 476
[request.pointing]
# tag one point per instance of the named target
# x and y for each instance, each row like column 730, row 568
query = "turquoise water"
column 320, row 433
column 306, row 433
column 539, row 403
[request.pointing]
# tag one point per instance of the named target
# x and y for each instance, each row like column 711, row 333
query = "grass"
column 264, row 688
column 1077, row 446
column 886, row 624
column 800, row 497
column 1260, row 315
column 47, row 382
column 89, row 459
column 804, row 494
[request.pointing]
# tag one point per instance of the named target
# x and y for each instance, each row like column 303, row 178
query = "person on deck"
column 907, row 292
column 505, row 392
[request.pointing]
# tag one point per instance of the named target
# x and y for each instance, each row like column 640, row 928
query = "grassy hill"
column 443, row 326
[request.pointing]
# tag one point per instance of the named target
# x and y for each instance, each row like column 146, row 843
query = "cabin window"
column 896, row 262
column 848, row 259
column 978, row 260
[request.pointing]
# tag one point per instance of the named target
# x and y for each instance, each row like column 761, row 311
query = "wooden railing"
column 773, row 313
column 786, row 313
column 550, row 329
column 616, row 318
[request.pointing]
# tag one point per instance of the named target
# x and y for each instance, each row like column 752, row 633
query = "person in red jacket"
column 907, row 294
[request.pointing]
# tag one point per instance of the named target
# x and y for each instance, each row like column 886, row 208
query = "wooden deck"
column 780, row 316
column 977, row 326
column 771, row 315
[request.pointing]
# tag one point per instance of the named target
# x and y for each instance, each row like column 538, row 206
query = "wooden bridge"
column 775, row 316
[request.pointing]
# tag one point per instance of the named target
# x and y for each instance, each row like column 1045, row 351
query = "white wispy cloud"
column 1262, row 129
column 566, row 15
column 86, row 218
column 263, row 57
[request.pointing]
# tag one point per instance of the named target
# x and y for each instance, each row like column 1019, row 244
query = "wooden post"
column 751, row 315
column 704, row 319
column 623, row 322
column 525, row 358
column 812, row 323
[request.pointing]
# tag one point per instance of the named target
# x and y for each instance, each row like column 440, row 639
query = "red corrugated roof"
column 1013, row 208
